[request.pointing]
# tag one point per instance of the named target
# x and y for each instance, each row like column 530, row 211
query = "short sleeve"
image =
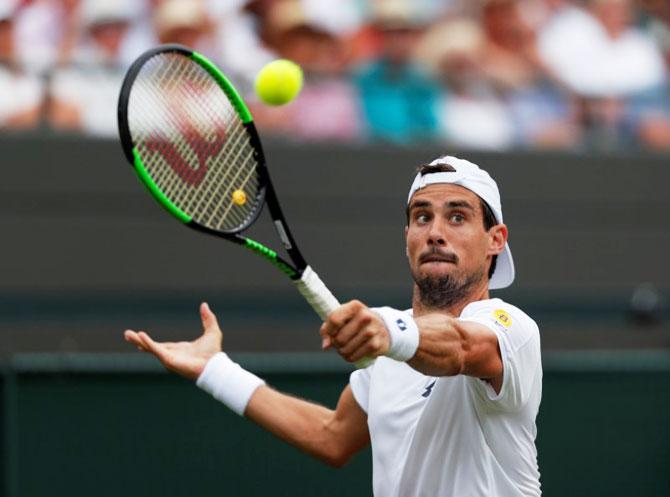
column 519, row 342
column 359, row 381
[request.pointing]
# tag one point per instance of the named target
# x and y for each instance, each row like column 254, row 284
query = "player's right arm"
column 332, row 436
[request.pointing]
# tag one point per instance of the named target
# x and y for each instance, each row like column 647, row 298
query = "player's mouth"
column 437, row 256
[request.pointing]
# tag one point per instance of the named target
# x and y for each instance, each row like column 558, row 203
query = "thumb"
column 209, row 321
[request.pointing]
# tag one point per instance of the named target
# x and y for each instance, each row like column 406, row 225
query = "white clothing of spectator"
column 40, row 27
column 471, row 113
column 21, row 92
column 601, row 55
column 21, row 97
column 85, row 92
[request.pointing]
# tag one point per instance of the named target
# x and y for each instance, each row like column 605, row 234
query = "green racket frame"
column 266, row 190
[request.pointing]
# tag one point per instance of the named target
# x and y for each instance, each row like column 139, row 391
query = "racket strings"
column 229, row 176
column 210, row 206
column 192, row 142
column 239, row 155
column 243, row 171
column 181, row 194
column 168, row 77
column 163, row 178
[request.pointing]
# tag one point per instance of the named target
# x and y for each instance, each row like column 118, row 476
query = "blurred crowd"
column 478, row 74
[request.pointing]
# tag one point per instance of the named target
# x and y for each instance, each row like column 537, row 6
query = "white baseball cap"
column 478, row 181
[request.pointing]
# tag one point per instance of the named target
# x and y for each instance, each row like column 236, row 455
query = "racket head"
column 192, row 140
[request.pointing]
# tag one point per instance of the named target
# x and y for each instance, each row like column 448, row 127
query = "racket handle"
column 322, row 301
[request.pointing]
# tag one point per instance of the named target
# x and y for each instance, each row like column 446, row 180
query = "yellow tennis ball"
column 239, row 197
column 279, row 82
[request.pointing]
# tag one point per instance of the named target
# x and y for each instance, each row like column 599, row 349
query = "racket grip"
column 322, row 301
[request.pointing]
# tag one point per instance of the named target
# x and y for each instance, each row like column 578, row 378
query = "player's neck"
column 454, row 309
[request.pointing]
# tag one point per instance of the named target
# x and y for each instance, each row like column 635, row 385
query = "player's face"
column 446, row 239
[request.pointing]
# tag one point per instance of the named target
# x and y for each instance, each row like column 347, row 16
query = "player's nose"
column 436, row 235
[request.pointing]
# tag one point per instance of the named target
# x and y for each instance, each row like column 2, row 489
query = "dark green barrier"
column 603, row 426
column 118, row 426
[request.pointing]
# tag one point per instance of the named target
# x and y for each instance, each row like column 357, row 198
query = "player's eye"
column 421, row 217
column 457, row 218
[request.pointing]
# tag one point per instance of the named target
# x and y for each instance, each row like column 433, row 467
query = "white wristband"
column 228, row 382
column 403, row 332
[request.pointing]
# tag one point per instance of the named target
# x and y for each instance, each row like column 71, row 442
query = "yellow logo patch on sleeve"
column 503, row 317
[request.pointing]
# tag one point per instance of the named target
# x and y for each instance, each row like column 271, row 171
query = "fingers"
column 209, row 321
column 338, row 318
column 358, row 340
column 132, row 337
column 355, row 332
column 373, row 347
column 362, row 337
column 155, row 348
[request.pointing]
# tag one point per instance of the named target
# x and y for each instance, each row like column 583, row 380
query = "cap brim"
column 503, row 276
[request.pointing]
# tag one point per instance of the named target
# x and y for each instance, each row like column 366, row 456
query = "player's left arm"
column 447, row 346
column 498, row 345
column 450, row 346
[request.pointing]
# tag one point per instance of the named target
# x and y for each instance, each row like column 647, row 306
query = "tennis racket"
column 192, row 142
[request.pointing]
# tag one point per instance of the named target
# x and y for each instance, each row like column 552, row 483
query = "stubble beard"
column 445, row 291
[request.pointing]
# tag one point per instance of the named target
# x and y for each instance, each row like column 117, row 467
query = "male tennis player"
column 449, row 405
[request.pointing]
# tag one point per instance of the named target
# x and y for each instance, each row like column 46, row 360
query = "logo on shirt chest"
column 429, row 389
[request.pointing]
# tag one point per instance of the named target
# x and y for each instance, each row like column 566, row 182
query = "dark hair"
column 488, row 216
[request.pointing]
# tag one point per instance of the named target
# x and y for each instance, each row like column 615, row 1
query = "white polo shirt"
column 454, row 436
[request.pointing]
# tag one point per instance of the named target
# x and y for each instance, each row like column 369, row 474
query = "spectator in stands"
column 652, row 110
column 249, row 29
column 368, row 41
column 470, row 111
column 543, row 114
column 21, row 93
column 84, row 92
column 398, row 99
column 609, row 63
column 186, row 22
column 511, row 73
column 327, row 107
column 47, row 32
column 243, row 51
column 659, row 24
column 509, row 55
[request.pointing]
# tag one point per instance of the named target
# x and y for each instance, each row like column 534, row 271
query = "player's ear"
column 497, row 239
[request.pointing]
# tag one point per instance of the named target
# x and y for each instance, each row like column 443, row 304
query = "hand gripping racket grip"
column 322, row 301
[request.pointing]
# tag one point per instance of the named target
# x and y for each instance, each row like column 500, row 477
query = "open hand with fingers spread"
column 356, row 332
column 185, row 358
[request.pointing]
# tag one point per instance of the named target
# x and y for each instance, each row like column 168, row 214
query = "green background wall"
column 117, row 425
column 86, row 253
